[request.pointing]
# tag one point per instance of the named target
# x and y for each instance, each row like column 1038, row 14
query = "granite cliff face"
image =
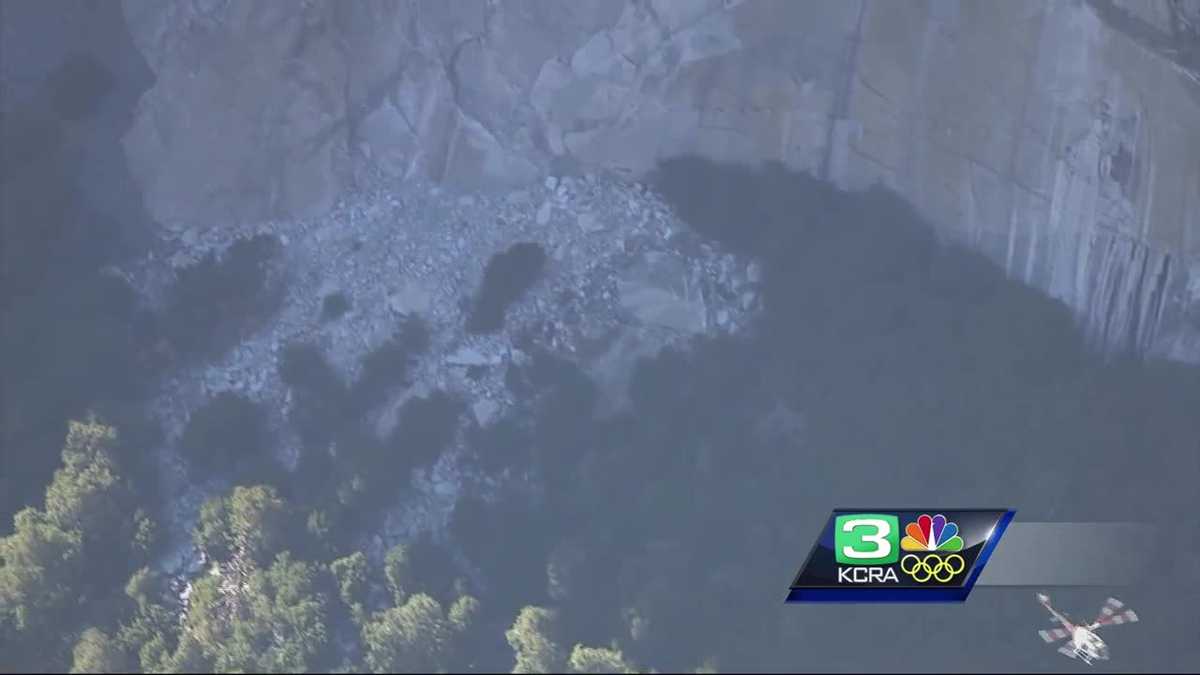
column 69, row 84
column 1061, row 139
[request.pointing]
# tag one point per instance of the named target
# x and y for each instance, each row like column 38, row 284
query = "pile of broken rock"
column 624, row 278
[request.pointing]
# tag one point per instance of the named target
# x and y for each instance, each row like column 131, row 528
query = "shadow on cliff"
column 887, row 368
column 68, row 207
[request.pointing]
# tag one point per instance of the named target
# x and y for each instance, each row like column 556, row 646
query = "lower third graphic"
column 861, row 556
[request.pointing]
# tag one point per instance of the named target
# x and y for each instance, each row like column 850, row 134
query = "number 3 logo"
column 866, row 539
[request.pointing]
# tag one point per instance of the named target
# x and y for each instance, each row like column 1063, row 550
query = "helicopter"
column 1083, row 642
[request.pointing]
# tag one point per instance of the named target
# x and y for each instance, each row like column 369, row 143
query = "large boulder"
column 659, row 291
column 247, row 116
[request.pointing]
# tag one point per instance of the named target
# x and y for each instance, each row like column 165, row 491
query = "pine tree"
column 534, row 639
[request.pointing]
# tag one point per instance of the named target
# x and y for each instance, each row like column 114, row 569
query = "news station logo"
column 883, row 555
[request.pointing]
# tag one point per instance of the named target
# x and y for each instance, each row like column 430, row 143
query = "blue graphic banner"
column 890, row 555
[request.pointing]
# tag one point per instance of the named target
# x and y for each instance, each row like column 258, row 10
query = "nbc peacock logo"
column 931, row 533
column 899, row 555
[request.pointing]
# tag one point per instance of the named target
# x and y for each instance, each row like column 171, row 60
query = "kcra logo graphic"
column 884, row 555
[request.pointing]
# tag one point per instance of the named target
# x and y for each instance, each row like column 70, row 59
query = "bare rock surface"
column 609, row 296
column 1060, row 139
column 395, row 146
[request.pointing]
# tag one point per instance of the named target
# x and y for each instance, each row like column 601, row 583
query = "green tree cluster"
column 60, row 561
column 658, row 537
column 260, row 608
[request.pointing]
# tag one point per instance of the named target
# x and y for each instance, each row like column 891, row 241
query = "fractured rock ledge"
column 1034, row 132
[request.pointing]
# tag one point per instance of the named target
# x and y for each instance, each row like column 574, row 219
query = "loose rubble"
column 624, row 278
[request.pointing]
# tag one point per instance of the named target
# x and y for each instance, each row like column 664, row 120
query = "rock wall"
column 1064, row 147
column 1062, row 139
column 70, row 80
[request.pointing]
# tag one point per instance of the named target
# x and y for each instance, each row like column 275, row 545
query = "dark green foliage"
column 412, row 637
column 285, row 616
column 398, row 567
column 88, row 494
column 91, row 496
column 216, row 301
column 73, row 340
column 278, row 623
column 505, row 279
column 334, row 306
column 212, row 534
column 188, row 657
column 463, row 613
column 59, row 563
column 228, row 436
column 42, row 565
column 150, row 634
column 418, row 635
column 249, row 525
column 144, row 587
column 146, row 536
column 265, row 611
column 319, row 526
column 471, row 639
column 884, row 363
column 535, row 640
column 96, row 652
column 350, row 573
column 598, row 660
